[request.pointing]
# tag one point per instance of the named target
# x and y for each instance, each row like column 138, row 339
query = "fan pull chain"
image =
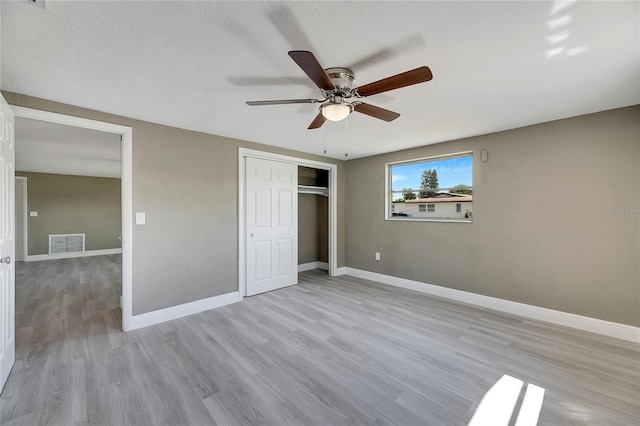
column 325, row 140
column 346, row 127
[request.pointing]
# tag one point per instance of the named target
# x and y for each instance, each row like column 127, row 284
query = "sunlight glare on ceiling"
column 560, row 24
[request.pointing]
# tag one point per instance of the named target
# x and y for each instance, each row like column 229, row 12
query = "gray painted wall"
column 543, row 230
column 307, row 228
column 73, row 205
column 549, row 227
column 313, row 228
column 187, row 183
column 322, row 228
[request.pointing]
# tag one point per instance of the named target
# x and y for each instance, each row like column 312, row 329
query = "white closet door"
column 271, row 225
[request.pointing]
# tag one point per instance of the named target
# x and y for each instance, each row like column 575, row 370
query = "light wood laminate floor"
column 328, row 351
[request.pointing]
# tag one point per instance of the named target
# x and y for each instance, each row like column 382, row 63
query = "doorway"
column 313, row 219
column 243, row 232
column 124, row 135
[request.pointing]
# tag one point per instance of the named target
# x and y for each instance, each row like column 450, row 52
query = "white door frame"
column 242, row 223
column 25, row 214
column 126, row 134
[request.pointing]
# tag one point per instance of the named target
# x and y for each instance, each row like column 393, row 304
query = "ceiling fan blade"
column 418, row 75
column 283, row 102
column 376, row 112
column 317, row 122
column 312, row 68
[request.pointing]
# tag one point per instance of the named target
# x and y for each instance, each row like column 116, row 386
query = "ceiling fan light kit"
column 336, row 85
column 336, row 111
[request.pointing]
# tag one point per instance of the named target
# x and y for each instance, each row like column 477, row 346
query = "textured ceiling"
column 60, row 149
column 496, row 65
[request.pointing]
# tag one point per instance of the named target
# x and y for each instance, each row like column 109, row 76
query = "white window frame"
column 431, row 208
column 388, row 204
column 422, row 208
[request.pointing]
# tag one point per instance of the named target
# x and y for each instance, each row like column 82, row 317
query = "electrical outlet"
column 377, row 256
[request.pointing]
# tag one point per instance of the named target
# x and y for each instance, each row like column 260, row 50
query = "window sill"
column 425, row 219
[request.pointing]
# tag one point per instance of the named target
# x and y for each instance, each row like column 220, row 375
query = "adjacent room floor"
column 327, row 351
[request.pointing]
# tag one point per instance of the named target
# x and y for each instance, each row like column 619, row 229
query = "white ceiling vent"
column 66, row 243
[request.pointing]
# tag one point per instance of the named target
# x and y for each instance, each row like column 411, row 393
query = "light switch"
column 33, row 213
column 140, row 218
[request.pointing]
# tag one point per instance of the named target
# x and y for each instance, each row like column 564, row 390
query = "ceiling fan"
column 336, row 87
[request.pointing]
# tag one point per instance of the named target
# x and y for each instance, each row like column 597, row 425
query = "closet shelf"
column 317, row 190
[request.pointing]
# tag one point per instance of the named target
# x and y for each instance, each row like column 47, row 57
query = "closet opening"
column 313, row 219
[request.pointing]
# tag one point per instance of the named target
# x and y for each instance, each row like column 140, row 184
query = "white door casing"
column 7, row 247
column 20, row 235
column 127, row 192
column 332, row 169
column 271, row 225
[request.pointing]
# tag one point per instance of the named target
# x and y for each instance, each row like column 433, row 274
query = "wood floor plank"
column 336, row 351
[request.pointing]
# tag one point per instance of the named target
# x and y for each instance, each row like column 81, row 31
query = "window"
column 416, row 187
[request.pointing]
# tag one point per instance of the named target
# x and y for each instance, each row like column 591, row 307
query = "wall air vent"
column 66, row 243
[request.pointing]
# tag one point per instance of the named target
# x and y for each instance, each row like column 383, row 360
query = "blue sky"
column 451, row 172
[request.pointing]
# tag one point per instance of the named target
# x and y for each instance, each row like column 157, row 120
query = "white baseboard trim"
column 103, row 252
column 593, row 325
column 179, row 311
column 313, row 265
column 342, row 270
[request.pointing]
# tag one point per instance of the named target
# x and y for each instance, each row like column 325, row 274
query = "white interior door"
column 7, row 272
column 271, row 189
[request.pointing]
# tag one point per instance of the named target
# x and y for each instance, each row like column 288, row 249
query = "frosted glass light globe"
column 336, row 112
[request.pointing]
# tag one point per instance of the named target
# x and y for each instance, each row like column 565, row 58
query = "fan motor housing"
column 342, row 79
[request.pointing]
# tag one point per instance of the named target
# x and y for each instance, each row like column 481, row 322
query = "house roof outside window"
column 443, row 198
